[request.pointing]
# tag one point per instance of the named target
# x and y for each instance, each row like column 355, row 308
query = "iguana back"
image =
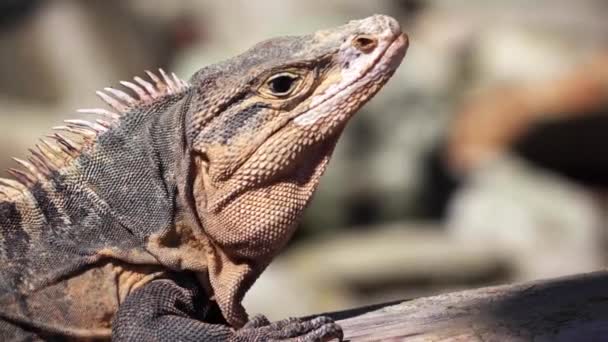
column 73, row 221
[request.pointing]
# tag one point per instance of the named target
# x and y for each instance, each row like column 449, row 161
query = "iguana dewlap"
column 142, row 224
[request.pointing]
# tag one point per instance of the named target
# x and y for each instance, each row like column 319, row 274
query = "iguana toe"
column 291, row 329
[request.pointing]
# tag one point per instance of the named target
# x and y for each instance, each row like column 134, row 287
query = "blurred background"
column 483, row 161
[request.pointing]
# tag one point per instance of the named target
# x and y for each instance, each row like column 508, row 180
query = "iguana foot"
column 290, row 329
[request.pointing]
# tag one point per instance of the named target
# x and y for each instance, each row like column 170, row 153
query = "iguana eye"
column 282, row 84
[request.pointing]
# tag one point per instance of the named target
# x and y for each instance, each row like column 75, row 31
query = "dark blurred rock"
column 438, row 184
column 575, row 148
column 14, row 12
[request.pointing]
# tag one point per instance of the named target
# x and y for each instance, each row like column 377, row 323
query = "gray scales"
column 152, row 221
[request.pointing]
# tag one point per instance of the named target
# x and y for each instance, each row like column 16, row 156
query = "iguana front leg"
column 173, row 310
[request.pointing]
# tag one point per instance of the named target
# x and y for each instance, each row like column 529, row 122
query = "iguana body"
column 175, row 202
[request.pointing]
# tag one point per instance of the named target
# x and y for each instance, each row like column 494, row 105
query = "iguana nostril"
column 365, row 43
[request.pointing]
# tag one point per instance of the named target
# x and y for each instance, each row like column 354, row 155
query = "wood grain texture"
column 573, row 308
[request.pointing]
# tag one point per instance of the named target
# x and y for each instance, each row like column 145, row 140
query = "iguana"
column 146, row 223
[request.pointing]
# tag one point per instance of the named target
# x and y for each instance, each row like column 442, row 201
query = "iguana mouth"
column 390, row 58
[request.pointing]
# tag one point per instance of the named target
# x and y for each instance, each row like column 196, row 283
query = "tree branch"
column 573, row 308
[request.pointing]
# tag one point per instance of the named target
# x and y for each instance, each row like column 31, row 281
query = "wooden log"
column 573, row 308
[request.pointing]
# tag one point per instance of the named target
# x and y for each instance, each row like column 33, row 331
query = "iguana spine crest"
column 48, row 156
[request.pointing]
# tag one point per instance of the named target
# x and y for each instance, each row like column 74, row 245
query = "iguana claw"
column 291, row 329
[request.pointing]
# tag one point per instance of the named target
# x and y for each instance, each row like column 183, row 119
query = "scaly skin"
column 164, row 213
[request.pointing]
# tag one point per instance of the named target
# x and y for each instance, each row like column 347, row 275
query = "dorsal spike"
column 5, row 192
column 31, row 169
column 87, row 124
column 23, row 177
column 103, row 123
column 40, row 163
column 68, row 142
column 48, row 156
column 13, row 184
column 114, row 103
column 168, row 81
column 66, row 145
column 160, row 85
column 121, row 95
column 143, row 96
column 51, row 148
column 153, row 77
column 52, row 155
column 177, row 81
column 85, row 133
column 147, row 85
column 182, row 84
column 99, row 111
column 9, row 183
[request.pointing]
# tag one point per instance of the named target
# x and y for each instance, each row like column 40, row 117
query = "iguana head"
column 262, row 127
